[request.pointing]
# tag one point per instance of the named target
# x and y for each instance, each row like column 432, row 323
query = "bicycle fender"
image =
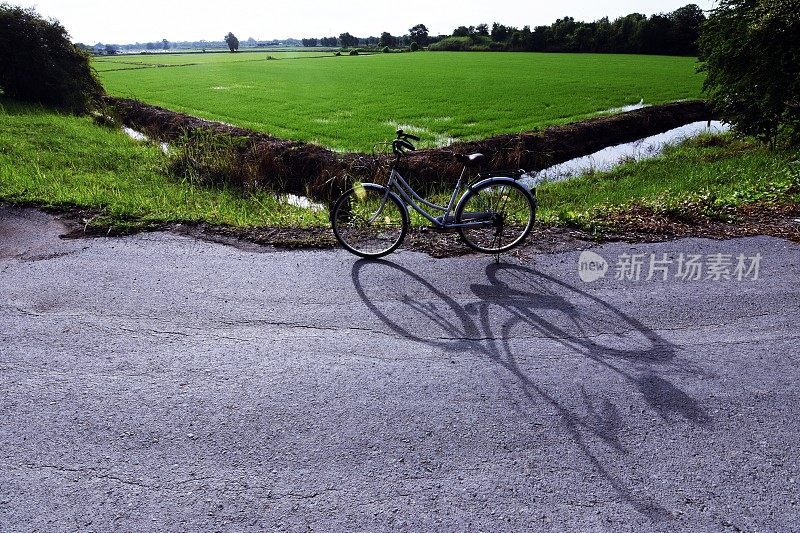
column 487, row 180
column 498, row 181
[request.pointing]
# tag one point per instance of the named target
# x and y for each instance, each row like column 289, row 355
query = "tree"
column 657, row 37
column 310, row 42
column 501, row 33
column 413, row 46
column 562, row 35
column 38, row 63
column 419, row 34
column 164, row 44
column 626, row 34
column 348, row 40
column 387, row 40
column 482, row 30
column 232, row 42
column 582, row 39
column 751, row 54
column 686, row 22
column 602, row 35
column 461, row 31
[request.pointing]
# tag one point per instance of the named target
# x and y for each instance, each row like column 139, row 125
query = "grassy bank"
column 56, row 160
column 49, row 159
column 707, row 176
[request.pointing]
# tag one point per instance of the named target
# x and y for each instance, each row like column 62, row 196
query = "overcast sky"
column 91, row 21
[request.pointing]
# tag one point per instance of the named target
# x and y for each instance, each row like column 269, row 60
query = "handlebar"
column 404, row 136
column 405, row 144
column 401, row 142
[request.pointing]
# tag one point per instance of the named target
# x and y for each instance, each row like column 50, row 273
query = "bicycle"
column 494, row 214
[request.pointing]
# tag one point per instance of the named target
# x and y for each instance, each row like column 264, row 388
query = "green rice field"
column 133, row 61
column 349, row 103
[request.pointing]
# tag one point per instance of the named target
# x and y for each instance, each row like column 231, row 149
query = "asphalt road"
column 158, row 382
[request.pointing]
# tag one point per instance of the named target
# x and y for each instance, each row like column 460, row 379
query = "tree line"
column 417, row 35
column 672, row 33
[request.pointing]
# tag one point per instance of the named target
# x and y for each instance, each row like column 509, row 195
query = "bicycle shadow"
column 578, row 321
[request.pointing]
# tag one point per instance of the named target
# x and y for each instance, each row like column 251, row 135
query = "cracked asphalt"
column 158, row 382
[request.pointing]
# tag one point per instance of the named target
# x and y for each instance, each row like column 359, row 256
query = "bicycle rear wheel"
column 369, row 220
column 501, row 213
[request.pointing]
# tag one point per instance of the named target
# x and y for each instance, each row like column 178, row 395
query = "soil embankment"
column 304, row 168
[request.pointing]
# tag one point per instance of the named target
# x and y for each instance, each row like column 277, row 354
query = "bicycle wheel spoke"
column 511, row 214
column 368, row 221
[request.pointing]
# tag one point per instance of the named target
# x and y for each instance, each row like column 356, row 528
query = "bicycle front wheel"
column 369, row 220
column 499, row 215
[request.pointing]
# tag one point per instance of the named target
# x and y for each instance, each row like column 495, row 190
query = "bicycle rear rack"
column 514, row 173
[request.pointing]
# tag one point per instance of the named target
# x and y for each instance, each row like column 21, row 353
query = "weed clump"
column 208, row 158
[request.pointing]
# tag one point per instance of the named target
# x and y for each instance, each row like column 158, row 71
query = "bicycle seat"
column 471, row 160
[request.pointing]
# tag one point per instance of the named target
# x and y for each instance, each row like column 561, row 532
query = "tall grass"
column 722, row 170
column 58, row 160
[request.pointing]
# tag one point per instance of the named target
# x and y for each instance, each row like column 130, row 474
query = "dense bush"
column 463, row 44
column 39, row 64
column 414, row 46
column 751, row 53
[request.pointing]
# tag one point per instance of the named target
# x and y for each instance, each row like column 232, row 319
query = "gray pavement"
column 160, row 383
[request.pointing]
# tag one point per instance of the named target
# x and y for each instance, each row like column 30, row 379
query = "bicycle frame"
column 400, row 186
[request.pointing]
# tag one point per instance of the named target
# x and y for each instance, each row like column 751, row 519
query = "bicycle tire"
column 367, row 225
column 511, row 207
